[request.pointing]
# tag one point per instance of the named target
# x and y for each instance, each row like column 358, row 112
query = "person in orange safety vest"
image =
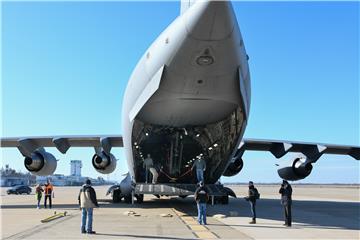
column 49, row 193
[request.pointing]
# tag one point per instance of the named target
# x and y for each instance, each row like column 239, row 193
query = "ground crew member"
column 49, row 193
column 201, row 197
column 149, row 166
column 252, row 196
column 38, row 194
column 200, row 166
column 286, row 201
column 87, row 201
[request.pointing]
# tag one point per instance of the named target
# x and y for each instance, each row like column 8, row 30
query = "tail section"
column 185, row 5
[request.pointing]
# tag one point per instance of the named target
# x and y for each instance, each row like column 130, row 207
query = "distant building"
column 75, row 168
column 56, row 179
column 9, row 177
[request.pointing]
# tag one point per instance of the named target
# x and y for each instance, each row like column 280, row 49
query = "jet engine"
column 234, row 167
column 300, row 168
column 104, row 163
column 41, row 163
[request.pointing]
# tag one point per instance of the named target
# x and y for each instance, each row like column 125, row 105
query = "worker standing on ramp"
column 149, row 166
column 200, row 166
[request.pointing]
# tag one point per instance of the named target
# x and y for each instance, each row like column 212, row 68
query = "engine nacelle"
column 299, row 169
column 234, row 167
column 104, row 163
column 41, row 163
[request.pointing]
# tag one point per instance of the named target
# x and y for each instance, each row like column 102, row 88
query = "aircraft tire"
column 127, row 199
column 225, row 200
column 140, row 198
column 116, row 196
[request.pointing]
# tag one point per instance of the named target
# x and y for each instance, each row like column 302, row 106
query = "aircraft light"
column 205, row 60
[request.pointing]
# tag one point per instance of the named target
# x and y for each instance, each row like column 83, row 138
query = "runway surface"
column 319, row 212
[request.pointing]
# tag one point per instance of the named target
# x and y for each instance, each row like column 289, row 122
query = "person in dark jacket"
column 201, row 197
column 286, row 201
column 87, row 201
column 252, row 196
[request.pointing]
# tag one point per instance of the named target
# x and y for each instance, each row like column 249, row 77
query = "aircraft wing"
column 278, row 148
column 313, row 151
column 27, row 145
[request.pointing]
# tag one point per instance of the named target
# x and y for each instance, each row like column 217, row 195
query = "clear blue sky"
column 65, row 67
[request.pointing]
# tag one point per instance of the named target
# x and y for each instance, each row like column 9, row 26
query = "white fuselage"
column 195, row 75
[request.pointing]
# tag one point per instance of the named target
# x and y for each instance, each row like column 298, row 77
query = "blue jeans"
column 38, row 202
column 253, row 211
column 201, row 213
column 200, row 175
column 86, row 212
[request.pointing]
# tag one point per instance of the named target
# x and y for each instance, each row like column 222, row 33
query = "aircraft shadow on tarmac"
column 310, row 214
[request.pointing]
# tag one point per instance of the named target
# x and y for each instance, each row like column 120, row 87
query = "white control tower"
column 75, row 169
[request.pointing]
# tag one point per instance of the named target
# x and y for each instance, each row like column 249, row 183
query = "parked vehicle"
column 20, row 189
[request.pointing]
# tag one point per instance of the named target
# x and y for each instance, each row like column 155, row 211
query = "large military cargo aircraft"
column 189, row 96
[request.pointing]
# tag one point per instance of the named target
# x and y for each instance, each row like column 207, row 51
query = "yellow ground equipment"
column 55, row 216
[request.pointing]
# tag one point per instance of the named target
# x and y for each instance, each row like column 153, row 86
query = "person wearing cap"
column 286, row 201
column 201, row 197
column 87, row 201
column 200, row 166
column 252, row 196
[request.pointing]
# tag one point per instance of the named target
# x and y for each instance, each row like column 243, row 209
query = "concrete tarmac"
column 319, row 212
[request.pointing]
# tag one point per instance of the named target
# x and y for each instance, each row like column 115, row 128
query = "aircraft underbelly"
column 179, row 112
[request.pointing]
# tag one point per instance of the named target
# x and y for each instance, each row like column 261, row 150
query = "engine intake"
column 300, row 169
column 104, row 163
column 41, row 163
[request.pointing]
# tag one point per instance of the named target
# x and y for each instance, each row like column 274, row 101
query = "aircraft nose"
column 210, row 20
